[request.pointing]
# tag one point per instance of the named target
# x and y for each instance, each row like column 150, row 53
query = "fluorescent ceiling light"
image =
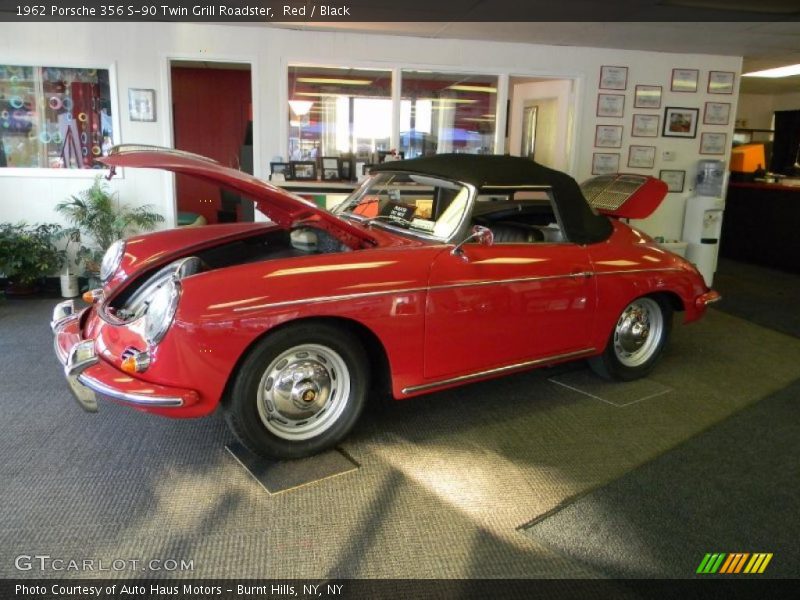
column 473, row 88
column 331, row 81
column 786, row 71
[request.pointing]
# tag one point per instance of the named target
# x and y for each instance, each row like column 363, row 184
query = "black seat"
column 515, row 233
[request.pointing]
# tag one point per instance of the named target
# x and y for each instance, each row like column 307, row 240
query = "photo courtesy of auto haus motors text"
column 121, row 591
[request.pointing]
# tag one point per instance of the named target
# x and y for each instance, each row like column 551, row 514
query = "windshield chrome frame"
column 472, row 190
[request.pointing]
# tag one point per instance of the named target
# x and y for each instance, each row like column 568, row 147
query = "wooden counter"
column 761, row 225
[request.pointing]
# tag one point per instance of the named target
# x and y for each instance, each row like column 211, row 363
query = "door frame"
column 167, row 125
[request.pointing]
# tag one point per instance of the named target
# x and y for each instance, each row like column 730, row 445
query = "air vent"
column 609, row 192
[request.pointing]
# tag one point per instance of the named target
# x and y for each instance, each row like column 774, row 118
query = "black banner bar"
column 338, row 11
column 710, row 587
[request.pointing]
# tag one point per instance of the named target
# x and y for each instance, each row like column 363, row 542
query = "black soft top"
column 485, row 171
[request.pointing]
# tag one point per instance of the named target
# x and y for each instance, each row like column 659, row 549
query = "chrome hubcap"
column 638, row 332
column 303, row 392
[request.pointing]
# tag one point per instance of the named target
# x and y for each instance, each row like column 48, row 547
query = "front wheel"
column 637, row 340
column 299, row 391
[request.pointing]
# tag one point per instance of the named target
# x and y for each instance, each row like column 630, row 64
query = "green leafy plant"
column 28, row 253
column 97, row 214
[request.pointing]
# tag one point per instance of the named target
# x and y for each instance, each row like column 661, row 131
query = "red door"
column 507, row 303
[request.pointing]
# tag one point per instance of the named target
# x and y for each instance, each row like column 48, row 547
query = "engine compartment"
column 272, row 245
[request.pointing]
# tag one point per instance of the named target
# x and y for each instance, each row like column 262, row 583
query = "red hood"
column 278, row 205
column 624, row 195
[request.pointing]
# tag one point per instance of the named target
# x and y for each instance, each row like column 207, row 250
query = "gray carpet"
column 736, row 488
column 768, row 297
column 443, row 486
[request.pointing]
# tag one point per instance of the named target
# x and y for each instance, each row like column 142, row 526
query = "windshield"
column 415, row 203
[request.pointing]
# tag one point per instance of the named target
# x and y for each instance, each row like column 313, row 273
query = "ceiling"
column 762, row 44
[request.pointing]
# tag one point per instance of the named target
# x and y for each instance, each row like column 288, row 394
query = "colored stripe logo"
column 734, row 563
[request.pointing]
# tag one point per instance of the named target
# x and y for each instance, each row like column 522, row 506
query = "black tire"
column 615, row 362
column 262, row 398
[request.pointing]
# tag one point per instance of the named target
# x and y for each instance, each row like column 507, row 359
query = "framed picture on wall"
column 713, row 143
column 645, row 125
column 304, row 170
column 610, row 105
column 608, row 136
column 720, row 82
column 642, row 157
column 673, row 178
column 680, row 122
column 717, row 113
column 141, row 104
column 684, row 80
column 613, row 78
column 605, row 163
column 647, row 96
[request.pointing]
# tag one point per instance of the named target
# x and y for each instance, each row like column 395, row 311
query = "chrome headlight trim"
column 161, row 309
column 111, row 261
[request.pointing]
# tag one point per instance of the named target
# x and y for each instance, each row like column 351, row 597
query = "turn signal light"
column 709, row 297
column 92, row 296
column 136, row 363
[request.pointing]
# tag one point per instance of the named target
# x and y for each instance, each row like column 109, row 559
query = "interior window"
column 519, row 216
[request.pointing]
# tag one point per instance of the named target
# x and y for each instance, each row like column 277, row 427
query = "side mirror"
column 480, row 234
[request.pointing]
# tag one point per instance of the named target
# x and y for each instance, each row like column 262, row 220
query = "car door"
column 506, row 303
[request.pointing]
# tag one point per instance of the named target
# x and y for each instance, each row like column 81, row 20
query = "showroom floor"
column 551, row 473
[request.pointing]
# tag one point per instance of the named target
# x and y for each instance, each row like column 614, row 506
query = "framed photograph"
column 647, row 96
column 605, row 163
column 684, row 80
column 279, row 170
column 305, row 170
column 717, row 113
column 713, row 143
column 613, row 78
column 141, row 104
column 610, row 105
column 720, row 82
column 608, row 136
column 680, row 122
column 674, row 179
column 331, row 169
column 645, row 125
column 642, row 157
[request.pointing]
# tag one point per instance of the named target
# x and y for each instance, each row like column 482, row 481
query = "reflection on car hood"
column 280, row 206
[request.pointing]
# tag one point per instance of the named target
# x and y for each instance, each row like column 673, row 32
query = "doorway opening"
column 212, row 115
column 539, row 120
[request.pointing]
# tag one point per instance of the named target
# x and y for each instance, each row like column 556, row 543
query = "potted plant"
column 27, row 254
column 97, row 214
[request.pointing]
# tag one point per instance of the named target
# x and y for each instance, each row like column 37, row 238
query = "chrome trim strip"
column 318, row 299
column 138, row 399
column 513, row 367
column 626, row 271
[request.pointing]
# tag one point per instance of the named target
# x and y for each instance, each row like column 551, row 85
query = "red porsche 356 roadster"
column 434, row 273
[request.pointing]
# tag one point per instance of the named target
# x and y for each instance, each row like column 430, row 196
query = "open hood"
column 624, row 195
column 278, row 205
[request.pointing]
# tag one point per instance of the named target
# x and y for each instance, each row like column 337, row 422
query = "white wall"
column 755, row 111
column 140, row 51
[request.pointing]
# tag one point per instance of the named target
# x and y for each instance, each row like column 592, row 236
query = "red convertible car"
column 434, row 273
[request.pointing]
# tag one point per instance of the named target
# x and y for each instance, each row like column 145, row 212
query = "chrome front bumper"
column 78, row 355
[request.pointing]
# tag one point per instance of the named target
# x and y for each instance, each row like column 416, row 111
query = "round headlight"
column 111, row 260
column 161, row 310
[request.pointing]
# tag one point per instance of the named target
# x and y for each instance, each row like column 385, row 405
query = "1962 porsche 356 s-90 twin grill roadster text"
column 434, row 273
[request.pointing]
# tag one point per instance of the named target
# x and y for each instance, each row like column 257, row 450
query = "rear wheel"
column 637, row 340
column 299, row 391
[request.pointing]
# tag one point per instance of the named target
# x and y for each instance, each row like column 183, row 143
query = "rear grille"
column 609, row 192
